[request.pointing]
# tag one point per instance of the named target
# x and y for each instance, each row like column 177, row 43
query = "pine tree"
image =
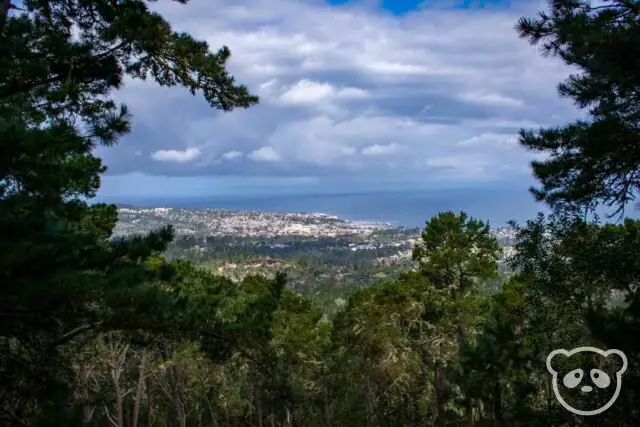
column 61, row 275
column 455, row 254
column 598, row 159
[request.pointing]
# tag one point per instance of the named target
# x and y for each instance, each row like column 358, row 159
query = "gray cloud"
column 438, row 94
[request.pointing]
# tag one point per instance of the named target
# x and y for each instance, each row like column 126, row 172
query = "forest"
column 102, row 331
column 325, row 269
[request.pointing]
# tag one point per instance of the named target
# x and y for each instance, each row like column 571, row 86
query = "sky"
column 354, row 96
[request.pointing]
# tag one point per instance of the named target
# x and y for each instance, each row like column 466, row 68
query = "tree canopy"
column 61, row 274
column 596, row 159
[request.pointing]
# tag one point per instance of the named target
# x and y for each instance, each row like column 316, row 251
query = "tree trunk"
column 439, row 386
column 259, row 406
column 178, row 405
column 288, row 416
column 497, row 396
column 5, row 6
column 117, row 358
column 471, row 421
column 87, row 409
column 150, row 415
column 438, row 398
column 139, row 389
column 226, row 416
column 174, row 392
column 327, row 412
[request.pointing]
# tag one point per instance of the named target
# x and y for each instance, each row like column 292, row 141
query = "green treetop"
column 598, row 159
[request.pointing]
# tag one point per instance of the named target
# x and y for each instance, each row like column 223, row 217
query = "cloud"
column 491, row 141
column 307, row 92
column 381, row 150
column 265, row 154
column 176, row 156
column 491, row 99
column 450, row 87
column 465, row 167
column 231, row 155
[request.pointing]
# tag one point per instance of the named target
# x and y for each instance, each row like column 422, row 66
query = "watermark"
column 601, row 380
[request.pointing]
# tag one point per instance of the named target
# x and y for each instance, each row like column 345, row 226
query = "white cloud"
column 491, row 99
column 499, row 123
column 230, row 155
column 331, row 142
column 265, row 154
column 381, row 150
column 323, row 97
column 449, row 85
column 307, row 92
column 176, row 156
column 491, row 141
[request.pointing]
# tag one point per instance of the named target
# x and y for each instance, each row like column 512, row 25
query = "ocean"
column 400, row 208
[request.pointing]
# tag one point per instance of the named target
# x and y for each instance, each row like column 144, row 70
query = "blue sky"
column 395, row 6
column 401, row 7
column 355, row 96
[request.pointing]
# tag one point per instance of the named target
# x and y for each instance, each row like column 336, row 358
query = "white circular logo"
column 600, row 379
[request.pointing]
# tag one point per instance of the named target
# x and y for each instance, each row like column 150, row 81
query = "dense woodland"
column 325, row 269
column 326, row 250
column 313, row 264
column 106, row 332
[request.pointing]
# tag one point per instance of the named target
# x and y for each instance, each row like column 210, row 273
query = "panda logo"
column 581, row 383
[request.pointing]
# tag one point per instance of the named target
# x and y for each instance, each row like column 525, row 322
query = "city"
column 268, row 225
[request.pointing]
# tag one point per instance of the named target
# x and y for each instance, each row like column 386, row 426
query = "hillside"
column 323, row 256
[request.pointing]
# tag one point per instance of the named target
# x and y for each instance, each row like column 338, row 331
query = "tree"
column 571, row 271
column 62, row 276
column 382, row 344
column 456, row 252
column 589, row 271
column 595, row 160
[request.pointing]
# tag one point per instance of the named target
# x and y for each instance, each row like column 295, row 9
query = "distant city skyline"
column 408, row 208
